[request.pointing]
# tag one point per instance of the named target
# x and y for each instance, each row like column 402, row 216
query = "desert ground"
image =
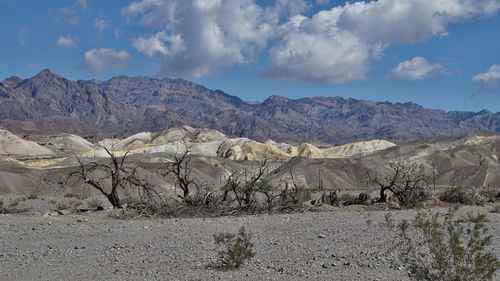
column 337, row 245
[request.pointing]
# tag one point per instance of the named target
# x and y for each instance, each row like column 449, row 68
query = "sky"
column 441, row 54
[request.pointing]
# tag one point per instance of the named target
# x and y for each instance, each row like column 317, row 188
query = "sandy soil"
column 306, row 246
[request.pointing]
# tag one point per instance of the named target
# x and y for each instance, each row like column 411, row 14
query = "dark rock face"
column 124, row 105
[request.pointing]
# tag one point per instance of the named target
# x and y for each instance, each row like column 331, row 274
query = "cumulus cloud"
column 417, row 68
column 490, row 78
column 158, row 43
column 199, row 38
column 98, row 60
column 101, row 24
column 66, row 41
column 334, row 45
column 351, row 36
column 139, row 7
column 316, row 50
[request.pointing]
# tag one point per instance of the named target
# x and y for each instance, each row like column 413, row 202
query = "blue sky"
column 438, row 53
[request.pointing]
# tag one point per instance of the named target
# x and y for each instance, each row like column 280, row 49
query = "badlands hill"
column 12, row 145
column 50, row 104
column 471, row 160
column 208, row 142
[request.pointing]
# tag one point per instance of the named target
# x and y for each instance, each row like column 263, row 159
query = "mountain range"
column 48, row 103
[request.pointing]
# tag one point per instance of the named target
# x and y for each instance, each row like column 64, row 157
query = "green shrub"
column 389, row 221
column 233, row 251
column 437, row 248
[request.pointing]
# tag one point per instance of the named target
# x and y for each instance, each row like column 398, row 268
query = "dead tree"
column 117, row 174
column 181, row 169
column 244, row 186
column 406, row 184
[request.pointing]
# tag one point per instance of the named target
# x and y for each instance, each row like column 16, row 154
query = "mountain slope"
column 124, row 105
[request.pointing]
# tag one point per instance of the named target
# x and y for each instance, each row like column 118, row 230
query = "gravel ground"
column 306, row 246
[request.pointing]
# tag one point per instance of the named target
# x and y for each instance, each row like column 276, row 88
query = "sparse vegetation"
column 33, row 195
column 121, row 177
column 350, row 199
column 441, row 248
column 12, row 208
column 389, row 221
column 249, row 191
column 76, row 195
column 181, row 170
column 95, row 203
column 407, row 183
column 63, row 206
column 233, row 250
column 461, row 195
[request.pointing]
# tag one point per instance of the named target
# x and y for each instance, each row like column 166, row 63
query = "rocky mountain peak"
column 12, row 81
column 275, row 99
column 127, row 105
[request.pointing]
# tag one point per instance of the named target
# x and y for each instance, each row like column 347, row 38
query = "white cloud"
column 349, row 37
column 158, row 43
column 332, row 46
column 490, row 78
column 201, row 37
column 98, row 60
column 139, row 7
column 101, row 24
column 417, row 68
column 66, row 41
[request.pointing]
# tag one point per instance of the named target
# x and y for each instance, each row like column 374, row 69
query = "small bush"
column 129, row 199
column 233, row 251
column 437, row 248
column 95, row 203
column 389, row 221
column 11, row 208
column 75, row 195
column 33, row 195
column 466, row 196
column 68, row 205
column 348, row 199
column 457, row 195
column 15, row 203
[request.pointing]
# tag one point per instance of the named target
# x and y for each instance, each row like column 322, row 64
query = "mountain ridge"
column 127, row 105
